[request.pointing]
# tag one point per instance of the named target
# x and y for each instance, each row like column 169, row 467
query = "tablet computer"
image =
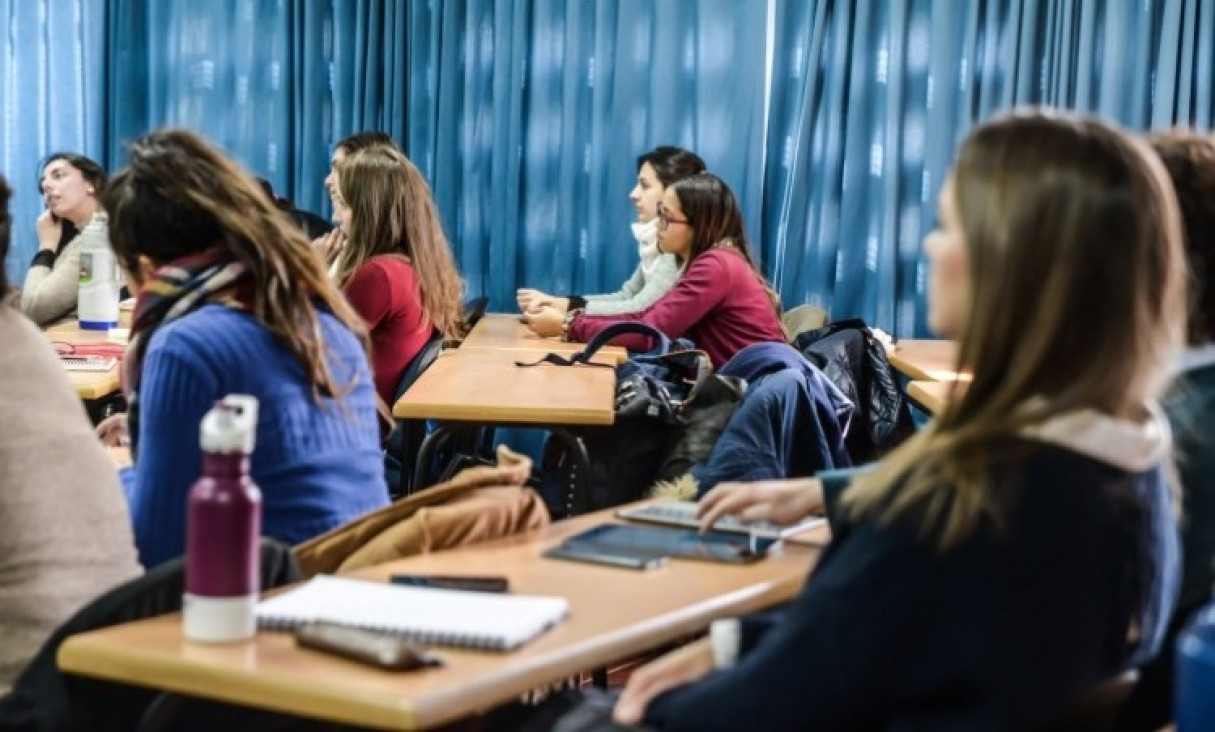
column 715, row 546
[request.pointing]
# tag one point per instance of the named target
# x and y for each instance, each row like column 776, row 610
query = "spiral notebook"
column 91, row 364
column 461, row 619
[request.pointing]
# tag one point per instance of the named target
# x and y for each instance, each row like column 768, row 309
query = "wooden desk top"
column 486, row 386
column 932, row 395
column 88, row 385
column 662, row 605
column 925, row 360
column 504, row 331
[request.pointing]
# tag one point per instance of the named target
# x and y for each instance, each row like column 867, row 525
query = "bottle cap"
column 231, row 425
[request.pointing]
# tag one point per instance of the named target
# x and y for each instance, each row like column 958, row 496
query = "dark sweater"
column 719, row 302
column 996, row 633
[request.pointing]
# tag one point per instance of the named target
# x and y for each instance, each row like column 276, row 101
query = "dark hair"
column 90, row 170
column 1189, row 159
column 671, row 163
column 6, row 227
column 179, row 196
column 363, row 140
column 716, row 219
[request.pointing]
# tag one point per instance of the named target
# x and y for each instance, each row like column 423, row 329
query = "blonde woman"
column 395, row 266
column 1022, row 547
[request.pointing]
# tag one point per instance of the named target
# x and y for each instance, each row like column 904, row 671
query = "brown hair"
column 1076, row 302
column 716, row 220
column 365, row 139
column 1189, row 159
column 179, row 196
column 393, row 213
column 671, row 163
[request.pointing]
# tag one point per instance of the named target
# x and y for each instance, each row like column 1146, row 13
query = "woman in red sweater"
column 721, row 301
column 396, row 267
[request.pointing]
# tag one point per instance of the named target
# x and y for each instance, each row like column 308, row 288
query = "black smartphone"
column 612, row 557
column 452, row 582
column 365, row 646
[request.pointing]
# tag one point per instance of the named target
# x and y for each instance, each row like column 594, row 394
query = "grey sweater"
column 49, row 293
column 65, row 533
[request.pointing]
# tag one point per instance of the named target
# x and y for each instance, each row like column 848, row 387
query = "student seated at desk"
column 395, row 266
column 330, row 245
column 721, row 300
column 1020, row 548
column 657, row 271
column 232, row 300
column 71, row 186
column 64, row 533
column 1190, row 405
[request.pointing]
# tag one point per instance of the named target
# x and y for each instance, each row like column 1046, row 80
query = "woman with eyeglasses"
column 721, row 301
column 657, row 271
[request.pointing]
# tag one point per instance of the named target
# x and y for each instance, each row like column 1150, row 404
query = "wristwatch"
column 567, row 320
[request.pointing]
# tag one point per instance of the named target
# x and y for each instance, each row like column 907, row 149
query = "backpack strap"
column 601, row 339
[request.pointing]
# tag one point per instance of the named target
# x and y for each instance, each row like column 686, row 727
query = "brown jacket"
column 478, row 504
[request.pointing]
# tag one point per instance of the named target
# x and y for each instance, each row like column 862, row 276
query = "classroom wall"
column 834, row 121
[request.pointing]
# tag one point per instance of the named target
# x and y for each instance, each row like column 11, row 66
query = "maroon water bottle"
column 223, row 525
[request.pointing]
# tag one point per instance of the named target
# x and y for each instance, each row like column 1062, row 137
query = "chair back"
column 801, row 319
column 1096, row 708
column 474, row 309
column 407, row 435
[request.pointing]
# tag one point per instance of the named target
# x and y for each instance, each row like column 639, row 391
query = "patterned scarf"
column 176, row 289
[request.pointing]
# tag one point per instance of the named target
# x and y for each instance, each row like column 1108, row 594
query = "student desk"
column 663, row 605
column 484, row 387
column 90, row 386
column 932, row 395
column 498, row 331
column 925, row 360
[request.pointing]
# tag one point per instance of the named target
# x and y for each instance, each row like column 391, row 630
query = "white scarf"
column 647, row 245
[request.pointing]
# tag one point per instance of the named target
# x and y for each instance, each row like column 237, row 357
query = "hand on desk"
column 677, row 668
column 782, row 502
column 547, row 321
column 530, row 300
column 113, row 431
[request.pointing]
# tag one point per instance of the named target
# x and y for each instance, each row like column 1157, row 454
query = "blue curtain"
column 51, row 63
column 872, row 97
column 274, row 82
column 528, row 116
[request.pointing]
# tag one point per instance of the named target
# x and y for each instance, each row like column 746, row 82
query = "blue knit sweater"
column 318, row 466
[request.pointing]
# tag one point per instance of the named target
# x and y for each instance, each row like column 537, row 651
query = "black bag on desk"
column 670, row 410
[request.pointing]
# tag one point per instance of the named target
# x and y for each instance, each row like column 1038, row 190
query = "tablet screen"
column 715, row 545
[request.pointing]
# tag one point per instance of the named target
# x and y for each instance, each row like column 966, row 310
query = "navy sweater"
column 318, row 466
column 996, row 633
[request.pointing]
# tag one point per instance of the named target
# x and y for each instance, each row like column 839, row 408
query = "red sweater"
column 719, row 303
column 384, row 291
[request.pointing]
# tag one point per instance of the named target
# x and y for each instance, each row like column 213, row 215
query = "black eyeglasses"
column 663, row 219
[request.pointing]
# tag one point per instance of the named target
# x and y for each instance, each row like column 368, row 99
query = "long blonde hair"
column 1076, row 302
column 393, row 213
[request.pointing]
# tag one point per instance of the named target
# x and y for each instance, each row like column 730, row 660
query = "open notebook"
column 443, row 617
column 98, row 364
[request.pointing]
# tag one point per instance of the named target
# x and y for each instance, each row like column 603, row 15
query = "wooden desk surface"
column 925, row 360
column 504, row 331
column 269, row 672
column 486, row 386
column 932, row 395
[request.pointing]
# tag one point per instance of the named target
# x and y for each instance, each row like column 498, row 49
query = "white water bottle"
column 100, row 287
